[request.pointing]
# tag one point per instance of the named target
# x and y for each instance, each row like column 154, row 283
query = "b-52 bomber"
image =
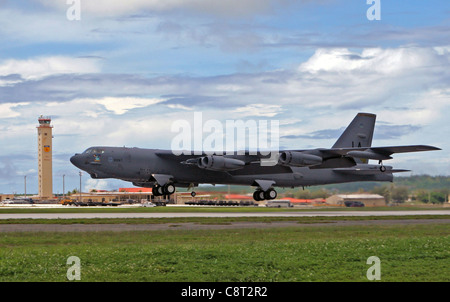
column 163, row 171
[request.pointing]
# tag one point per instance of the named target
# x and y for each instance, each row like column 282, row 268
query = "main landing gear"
column 167, row 189
column 260, row 195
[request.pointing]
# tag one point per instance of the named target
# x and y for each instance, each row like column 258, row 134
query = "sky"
column 120, row 73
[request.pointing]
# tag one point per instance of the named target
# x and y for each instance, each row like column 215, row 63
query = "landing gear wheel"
column 157, row 190
column 270, row 194
column 169, row 189
column 382, row 168
column 193, row 194
column 258, row 195
column 261, row 195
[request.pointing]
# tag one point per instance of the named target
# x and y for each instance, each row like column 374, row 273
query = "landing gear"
column 382, row 168
column 167, row 189
column 260, row 195
column 193, row 194
column 270, row 194
column 157, row 190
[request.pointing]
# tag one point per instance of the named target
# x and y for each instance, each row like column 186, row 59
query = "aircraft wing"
column 313, row 158
column 379, row 153
column 344, row 157
column 367, row 170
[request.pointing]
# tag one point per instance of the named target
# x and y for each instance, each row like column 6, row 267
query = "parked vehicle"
column 352, row 204
column 148, row 204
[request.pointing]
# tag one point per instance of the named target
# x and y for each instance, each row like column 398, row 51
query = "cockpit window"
column 94, row 151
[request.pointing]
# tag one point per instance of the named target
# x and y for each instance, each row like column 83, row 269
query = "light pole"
column 25, row 181
column 80, row 185
column 64, row 189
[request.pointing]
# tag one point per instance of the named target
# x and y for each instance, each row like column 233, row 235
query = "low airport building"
column 369, row 200
column 4, row 197
column 123, row 195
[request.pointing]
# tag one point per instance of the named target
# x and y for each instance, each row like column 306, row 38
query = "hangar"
column 369, row 200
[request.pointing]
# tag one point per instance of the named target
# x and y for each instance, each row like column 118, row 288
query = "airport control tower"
column 45, row 157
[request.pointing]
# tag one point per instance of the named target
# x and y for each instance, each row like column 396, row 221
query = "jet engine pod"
column 299, row 159
column 219, row 163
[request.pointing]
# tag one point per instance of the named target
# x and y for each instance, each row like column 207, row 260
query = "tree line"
column 392, row 194
column 418, row 188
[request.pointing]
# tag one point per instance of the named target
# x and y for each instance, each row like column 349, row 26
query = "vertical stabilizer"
column 359, row 133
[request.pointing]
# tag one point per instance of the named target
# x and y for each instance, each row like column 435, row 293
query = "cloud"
column 42, row 67
column 394, row 131
column 258, row 110
column 329, row 79
column 320, row 134
column 120, row 105
column 97, row 184
column 6, row 109
column 346, row 79
column 218, row 8
column 374, row 60
column 380, row 132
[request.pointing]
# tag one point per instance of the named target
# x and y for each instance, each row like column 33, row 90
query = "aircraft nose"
column 76, row 160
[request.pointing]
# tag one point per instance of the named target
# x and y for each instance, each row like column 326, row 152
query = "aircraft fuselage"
column 140, row 165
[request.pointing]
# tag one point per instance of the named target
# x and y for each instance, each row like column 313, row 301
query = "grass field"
column 407, row 253
column 212, row 209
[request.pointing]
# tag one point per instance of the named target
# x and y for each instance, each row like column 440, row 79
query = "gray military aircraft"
column 162, row 170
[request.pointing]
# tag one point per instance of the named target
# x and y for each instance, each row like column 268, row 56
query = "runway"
column 221, row 214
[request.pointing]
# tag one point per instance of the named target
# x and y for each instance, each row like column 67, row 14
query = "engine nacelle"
column 299, row 159
column 219, row 163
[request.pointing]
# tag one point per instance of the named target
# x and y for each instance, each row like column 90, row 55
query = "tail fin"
column 359, row 133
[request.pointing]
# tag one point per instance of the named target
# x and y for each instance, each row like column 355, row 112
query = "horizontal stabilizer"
column 403, row 149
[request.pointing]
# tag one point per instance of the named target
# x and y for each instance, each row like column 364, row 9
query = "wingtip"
column 431, row 148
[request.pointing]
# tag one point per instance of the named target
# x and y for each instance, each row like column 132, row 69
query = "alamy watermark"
column 374, row 11
column 73, row 12
column 374, row 272
column 74, row 271
column 235, row 137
